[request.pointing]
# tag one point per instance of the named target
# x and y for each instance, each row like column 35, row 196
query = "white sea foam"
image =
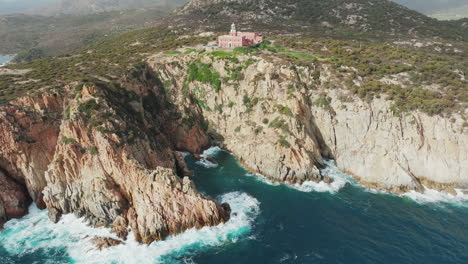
column 262, row 178
column 434, row 196
column 36, row 232
column 339, row 178
column 211, row 152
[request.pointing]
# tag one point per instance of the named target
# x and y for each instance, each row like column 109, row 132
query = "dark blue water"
column 278, row 224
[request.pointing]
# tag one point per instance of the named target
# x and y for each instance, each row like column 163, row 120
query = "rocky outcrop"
column 113, row 159
column 395, row 153
column 261, row 115
column 14, row 200
column 105, row 242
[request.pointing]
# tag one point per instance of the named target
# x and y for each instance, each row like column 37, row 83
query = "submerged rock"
column 105, row 242
column 54, row 215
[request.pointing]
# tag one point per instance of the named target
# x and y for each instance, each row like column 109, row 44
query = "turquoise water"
column 4, row 59
column 271, row 223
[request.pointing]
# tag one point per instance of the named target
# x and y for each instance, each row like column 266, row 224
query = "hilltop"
column 341, row 18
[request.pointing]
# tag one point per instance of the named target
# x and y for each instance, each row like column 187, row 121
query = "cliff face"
column 114, row 163
column 28, row 134
column 14, row 200
column 261, row 114
column 395, row 153
column 283, row 120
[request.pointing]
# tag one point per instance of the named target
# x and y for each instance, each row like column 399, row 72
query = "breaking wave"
column 35, row 233
column 339, row 178
column 206, row 155
column 434, row 196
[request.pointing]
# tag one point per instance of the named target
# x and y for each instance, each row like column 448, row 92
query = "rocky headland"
column 109, row 151
column 105, row 153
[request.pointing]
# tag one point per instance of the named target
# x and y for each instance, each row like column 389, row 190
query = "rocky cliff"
column 106, row 153
column 395, row 153
column 260, row 112
column 282, row 120
column 107, row 150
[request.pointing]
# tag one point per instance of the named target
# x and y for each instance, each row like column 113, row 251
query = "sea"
column 5, row 59
column 341, row 222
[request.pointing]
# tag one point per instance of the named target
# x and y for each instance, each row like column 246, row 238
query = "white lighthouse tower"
column 233, row 30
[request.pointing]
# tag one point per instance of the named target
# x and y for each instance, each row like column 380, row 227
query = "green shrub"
column 68, row 141
column 93, row 150
column 204, row 73
column 173, row 52
column 219, row 108
column 284, row 110
column 88, row 107
column 279, row 124
column 258, row 130
column 283, row 142
column 323, row 101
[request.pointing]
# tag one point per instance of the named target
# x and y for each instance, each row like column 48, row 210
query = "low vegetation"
column 204, row 73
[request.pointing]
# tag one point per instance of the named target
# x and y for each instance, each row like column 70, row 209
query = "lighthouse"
column 233, row 30
column 239, row 39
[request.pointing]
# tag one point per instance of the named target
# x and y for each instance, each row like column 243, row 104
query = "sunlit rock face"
column 107, row 154
column 274, row 117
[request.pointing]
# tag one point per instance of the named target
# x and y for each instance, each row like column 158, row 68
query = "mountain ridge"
column 376, row 18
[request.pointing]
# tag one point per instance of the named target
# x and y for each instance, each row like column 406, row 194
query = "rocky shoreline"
column 109, row 152
column 282, row 122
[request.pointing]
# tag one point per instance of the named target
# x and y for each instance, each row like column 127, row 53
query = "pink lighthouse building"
column 239, row 39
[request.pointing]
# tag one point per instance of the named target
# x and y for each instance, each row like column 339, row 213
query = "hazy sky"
column 16, row 6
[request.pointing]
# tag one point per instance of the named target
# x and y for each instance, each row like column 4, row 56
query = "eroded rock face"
column 124, row 167
column 114, row 160
column 395, row 153
column 14, row 200
column 262, row 116
column 29, row 130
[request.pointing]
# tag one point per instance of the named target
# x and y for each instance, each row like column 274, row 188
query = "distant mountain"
column 371, row 18
column 81, row 7
column 451, row 13
column 441, row 9
column 31, row 35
